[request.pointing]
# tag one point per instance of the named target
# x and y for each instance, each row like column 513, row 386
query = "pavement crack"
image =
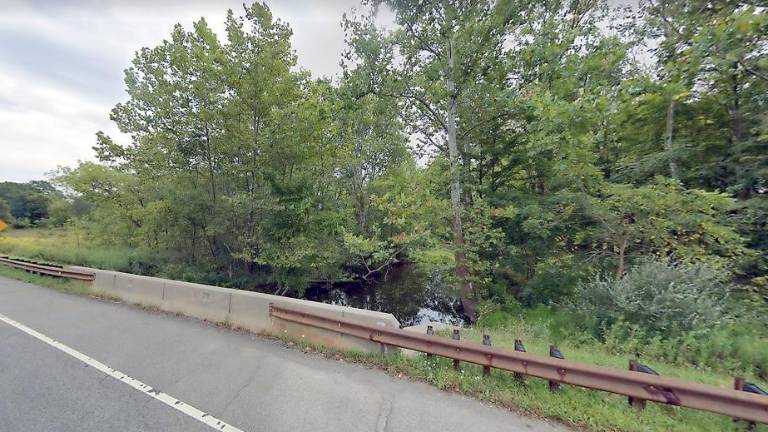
column 382, row 425
column 237, row 393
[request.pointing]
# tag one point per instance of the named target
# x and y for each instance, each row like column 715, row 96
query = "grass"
column 536, row 342
column 64, row 246
column 64, row 285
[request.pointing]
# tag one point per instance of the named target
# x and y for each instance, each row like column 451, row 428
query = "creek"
column 410, row 294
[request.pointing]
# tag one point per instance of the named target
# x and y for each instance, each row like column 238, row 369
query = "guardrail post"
column 668, row 394
column 430, row 332
column 554, row 352
column 384, row 347
column 738, row 384
column 487, row 342
column 636, row 403
column 519, row 347
column 456, row 336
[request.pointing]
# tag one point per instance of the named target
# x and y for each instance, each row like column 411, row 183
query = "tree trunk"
column 359, row 195
column 466, row 159
column 621, row 268
column 736, row 123
column 673, row 172
column 211, row 168
column 462, row 274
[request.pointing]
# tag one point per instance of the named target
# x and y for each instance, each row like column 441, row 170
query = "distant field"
column 63, row 246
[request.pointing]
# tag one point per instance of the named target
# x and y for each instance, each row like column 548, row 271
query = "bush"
column 21, row 223
column 552, row 283
column 661, row 299
column 735, row 347
column 738, row 346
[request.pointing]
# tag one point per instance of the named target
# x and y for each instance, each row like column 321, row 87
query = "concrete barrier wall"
column 200, row 301
column 135, row 289
column 244, row 309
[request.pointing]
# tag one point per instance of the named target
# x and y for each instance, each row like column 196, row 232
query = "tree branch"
column 752, row 71
column 437, row 117
column 424, row 45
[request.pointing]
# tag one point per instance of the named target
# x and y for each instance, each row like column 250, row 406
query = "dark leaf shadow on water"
column 407, row 292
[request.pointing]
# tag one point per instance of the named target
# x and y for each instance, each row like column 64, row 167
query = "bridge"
column 76, row 363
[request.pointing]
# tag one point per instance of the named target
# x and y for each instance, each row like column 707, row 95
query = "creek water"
column 411, row 295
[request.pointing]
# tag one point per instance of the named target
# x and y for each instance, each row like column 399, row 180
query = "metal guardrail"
column 634, row 384
column 48, row 270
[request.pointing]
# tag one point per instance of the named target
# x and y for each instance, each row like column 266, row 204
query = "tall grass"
column 736, row 348
column 65, row 246
column 586, row 350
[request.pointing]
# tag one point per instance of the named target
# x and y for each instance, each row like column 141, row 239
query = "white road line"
column 116, row 374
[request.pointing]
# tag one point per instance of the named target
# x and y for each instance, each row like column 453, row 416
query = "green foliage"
column 660, row 298
column 71, row 245
column 407, row 204
column 483, row 242
column 5, row 211
column 244, row 177
column 59, row 212
column 26, row 204
column 518, row 145
column 514, row 148
column 733, row 347
column 664, row 219
column 555, row 281
column 738, row 348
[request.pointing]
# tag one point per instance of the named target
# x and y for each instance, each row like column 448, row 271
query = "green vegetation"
column 64, row 285
column 37, row 204
column 730, row 349
column 657, row 297
column 66, row 246
column 519, row 150
column 517, row 156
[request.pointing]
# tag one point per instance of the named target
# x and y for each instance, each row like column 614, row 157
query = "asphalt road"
column 250, row 382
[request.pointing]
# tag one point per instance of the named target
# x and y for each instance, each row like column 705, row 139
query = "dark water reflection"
column 412, row 296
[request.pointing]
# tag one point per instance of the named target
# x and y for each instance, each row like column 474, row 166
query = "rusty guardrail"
column 634, row 384
column 48, row 270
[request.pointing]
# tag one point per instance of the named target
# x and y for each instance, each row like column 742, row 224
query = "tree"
column 235, row 156
column 59, row 212
column 517, row 145
column 715, row 53
column 445, row 47
column 28, row 202
column 666, row 220
column 5, row 211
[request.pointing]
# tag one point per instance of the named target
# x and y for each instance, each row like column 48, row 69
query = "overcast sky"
column 61, row 66
column 62, row 61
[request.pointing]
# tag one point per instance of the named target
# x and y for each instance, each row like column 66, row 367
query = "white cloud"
column 61, row 66
column 43, row 126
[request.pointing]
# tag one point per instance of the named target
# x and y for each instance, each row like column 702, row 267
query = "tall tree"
column 446, row 48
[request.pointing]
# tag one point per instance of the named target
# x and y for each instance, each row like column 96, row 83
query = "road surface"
column 61, row 356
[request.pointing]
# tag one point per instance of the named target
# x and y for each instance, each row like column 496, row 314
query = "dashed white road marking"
column 116, row 374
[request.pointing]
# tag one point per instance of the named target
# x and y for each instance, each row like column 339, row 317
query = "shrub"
column 552, row 283
column 660, row 298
